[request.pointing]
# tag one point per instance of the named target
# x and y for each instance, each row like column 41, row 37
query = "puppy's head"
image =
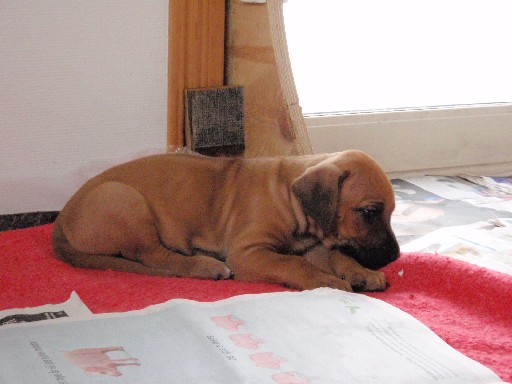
column 348, row 201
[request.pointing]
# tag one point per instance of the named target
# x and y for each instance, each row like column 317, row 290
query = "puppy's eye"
column 370, row 214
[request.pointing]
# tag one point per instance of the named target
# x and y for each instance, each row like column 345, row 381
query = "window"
column 426, row 80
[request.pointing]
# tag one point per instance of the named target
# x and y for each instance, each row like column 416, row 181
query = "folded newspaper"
column 319, row 336
column 73, row 308
column 499, row 184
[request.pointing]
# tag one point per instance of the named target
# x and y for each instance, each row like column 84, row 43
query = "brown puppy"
column 305, row 222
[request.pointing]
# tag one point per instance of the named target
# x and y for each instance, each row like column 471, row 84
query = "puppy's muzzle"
column 373, row 255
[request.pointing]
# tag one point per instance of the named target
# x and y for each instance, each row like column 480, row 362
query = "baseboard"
column 26, row 220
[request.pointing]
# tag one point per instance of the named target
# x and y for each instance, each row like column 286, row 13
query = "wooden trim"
column 258, row 60
column 196, row 55
column 284, row 70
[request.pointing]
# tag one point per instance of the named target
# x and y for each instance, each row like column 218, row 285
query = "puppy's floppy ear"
column 318, row 191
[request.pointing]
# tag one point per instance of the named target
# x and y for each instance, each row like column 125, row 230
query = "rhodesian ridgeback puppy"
column 304, row 222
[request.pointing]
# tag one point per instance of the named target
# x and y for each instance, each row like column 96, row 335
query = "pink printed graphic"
column 290, row 378
column 95, row 361
column 267, row 360
column 228, row 322
column 246, row 340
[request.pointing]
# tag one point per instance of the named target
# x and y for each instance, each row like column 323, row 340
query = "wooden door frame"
column 196, row 55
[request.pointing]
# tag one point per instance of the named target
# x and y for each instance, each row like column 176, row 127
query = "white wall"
column 80, row 81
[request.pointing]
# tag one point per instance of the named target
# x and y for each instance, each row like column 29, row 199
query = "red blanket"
column 469, row 307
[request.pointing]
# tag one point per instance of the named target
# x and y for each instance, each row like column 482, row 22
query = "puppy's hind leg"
column 65, row 251
column 112, row 227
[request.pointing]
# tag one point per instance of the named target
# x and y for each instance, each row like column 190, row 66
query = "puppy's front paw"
column 328, row 281
column 366, row 280
column 209, row 268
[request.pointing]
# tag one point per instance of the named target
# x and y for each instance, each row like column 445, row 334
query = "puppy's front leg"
column 346, row 268
column 265, row 265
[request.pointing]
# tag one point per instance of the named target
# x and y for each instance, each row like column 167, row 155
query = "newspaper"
column 499, row 184
column 73, row 309
column 320, row 336
column 456, row 218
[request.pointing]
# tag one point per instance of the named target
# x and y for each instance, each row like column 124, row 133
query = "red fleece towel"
column 468, row 306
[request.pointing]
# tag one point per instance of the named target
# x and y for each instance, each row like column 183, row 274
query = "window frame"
column 448, row 140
